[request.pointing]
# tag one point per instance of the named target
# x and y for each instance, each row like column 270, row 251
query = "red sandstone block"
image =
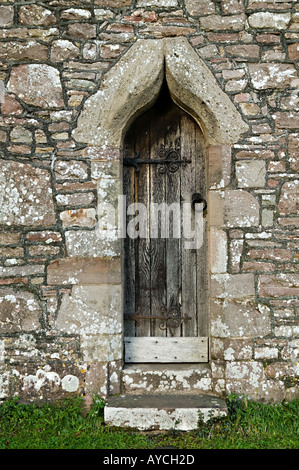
column 294, row 51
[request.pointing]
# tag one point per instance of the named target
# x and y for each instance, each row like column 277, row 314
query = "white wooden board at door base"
column 156, row 349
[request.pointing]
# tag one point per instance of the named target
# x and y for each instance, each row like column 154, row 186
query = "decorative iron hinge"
column 170, row 318
column 170, row 161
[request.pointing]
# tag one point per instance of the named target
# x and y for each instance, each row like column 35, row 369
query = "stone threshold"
column 157, row 412
column 169, row 378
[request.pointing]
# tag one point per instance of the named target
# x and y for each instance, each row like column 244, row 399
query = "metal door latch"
column 198, row 199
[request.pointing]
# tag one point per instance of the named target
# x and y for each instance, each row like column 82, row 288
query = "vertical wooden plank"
column 142, row 245
column 158, row 273
column 129, row 244
column 173, row 189
column 188, row 187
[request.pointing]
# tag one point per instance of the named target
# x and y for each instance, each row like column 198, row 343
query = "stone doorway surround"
column 94, row 260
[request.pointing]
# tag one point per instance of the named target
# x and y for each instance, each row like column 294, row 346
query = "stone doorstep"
column 173, row 379
column 162, row 412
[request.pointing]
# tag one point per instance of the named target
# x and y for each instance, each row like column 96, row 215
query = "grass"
column 249, row 425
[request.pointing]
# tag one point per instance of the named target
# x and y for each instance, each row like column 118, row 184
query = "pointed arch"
column 133, row 84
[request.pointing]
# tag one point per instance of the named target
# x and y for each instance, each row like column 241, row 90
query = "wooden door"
column 165, row 284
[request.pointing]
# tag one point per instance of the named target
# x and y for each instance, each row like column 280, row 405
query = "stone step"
column 166, row 378
column 162, row 412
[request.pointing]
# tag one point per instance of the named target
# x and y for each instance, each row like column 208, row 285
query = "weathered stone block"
column 19, row 51
column 244, row 51
column 26, row 270
column 78, row 218
column 284, row 120
column 71, row 169
column 44, row 251
column 294, row 51
column 96, row 382
column 223, row 23
column 278, row 285
column 107, row 348
column 238, row 349
column 239, row 318
column 267, row 19
column 250, row 109
column 232, row 6
column 84, row 271
column 91, row 310
column 111, row 51
column 219, row 166
column 33, row 15
column 94, row 243
column 233, row 208
column 218, row 250
column 196, row 8
column 9, row 105
column 75, row 14
column 62, row 50
column 236, row 250
column 21, row 134
column 25, row 195
column 264, row 76
column 113, row 3
column 240, row 209
column 235, row 85
column 19, row 311
column 245, row 370
column 37, row 84
column 251, row 173
column 82, row 30
column 44, row 237
column 153, row 3
column 75, row 199
column 266, row 353
column 232, row 286
column 6, row 15
column 289, row 197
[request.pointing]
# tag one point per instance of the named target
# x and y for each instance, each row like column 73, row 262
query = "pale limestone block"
column 236, row 250
column 104, row 349
column 233, row 208
column 251, row 173
column 91, row 310
column 241, row 209
column 239, row 319
column 25, row 195
column 19, row 311
column 267, row 19
column 267, row 218
column 218, row 250
column 232, row 286
column 96, row 243
column 157, row 3
column 264, row 76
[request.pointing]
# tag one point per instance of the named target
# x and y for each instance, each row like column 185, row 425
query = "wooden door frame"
column 147, row 341
column 127, row 89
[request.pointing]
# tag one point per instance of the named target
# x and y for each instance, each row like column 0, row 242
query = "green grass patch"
column 64, row 425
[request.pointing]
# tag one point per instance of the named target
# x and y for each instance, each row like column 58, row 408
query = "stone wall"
column 60, row 288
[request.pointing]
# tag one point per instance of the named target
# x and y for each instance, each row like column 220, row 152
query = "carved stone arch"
column 133, row 84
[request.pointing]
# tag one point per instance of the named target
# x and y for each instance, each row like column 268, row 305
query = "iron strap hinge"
column 170, row 163
column 169, row 318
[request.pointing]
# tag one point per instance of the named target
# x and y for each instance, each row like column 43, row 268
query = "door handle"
column 198, row 199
